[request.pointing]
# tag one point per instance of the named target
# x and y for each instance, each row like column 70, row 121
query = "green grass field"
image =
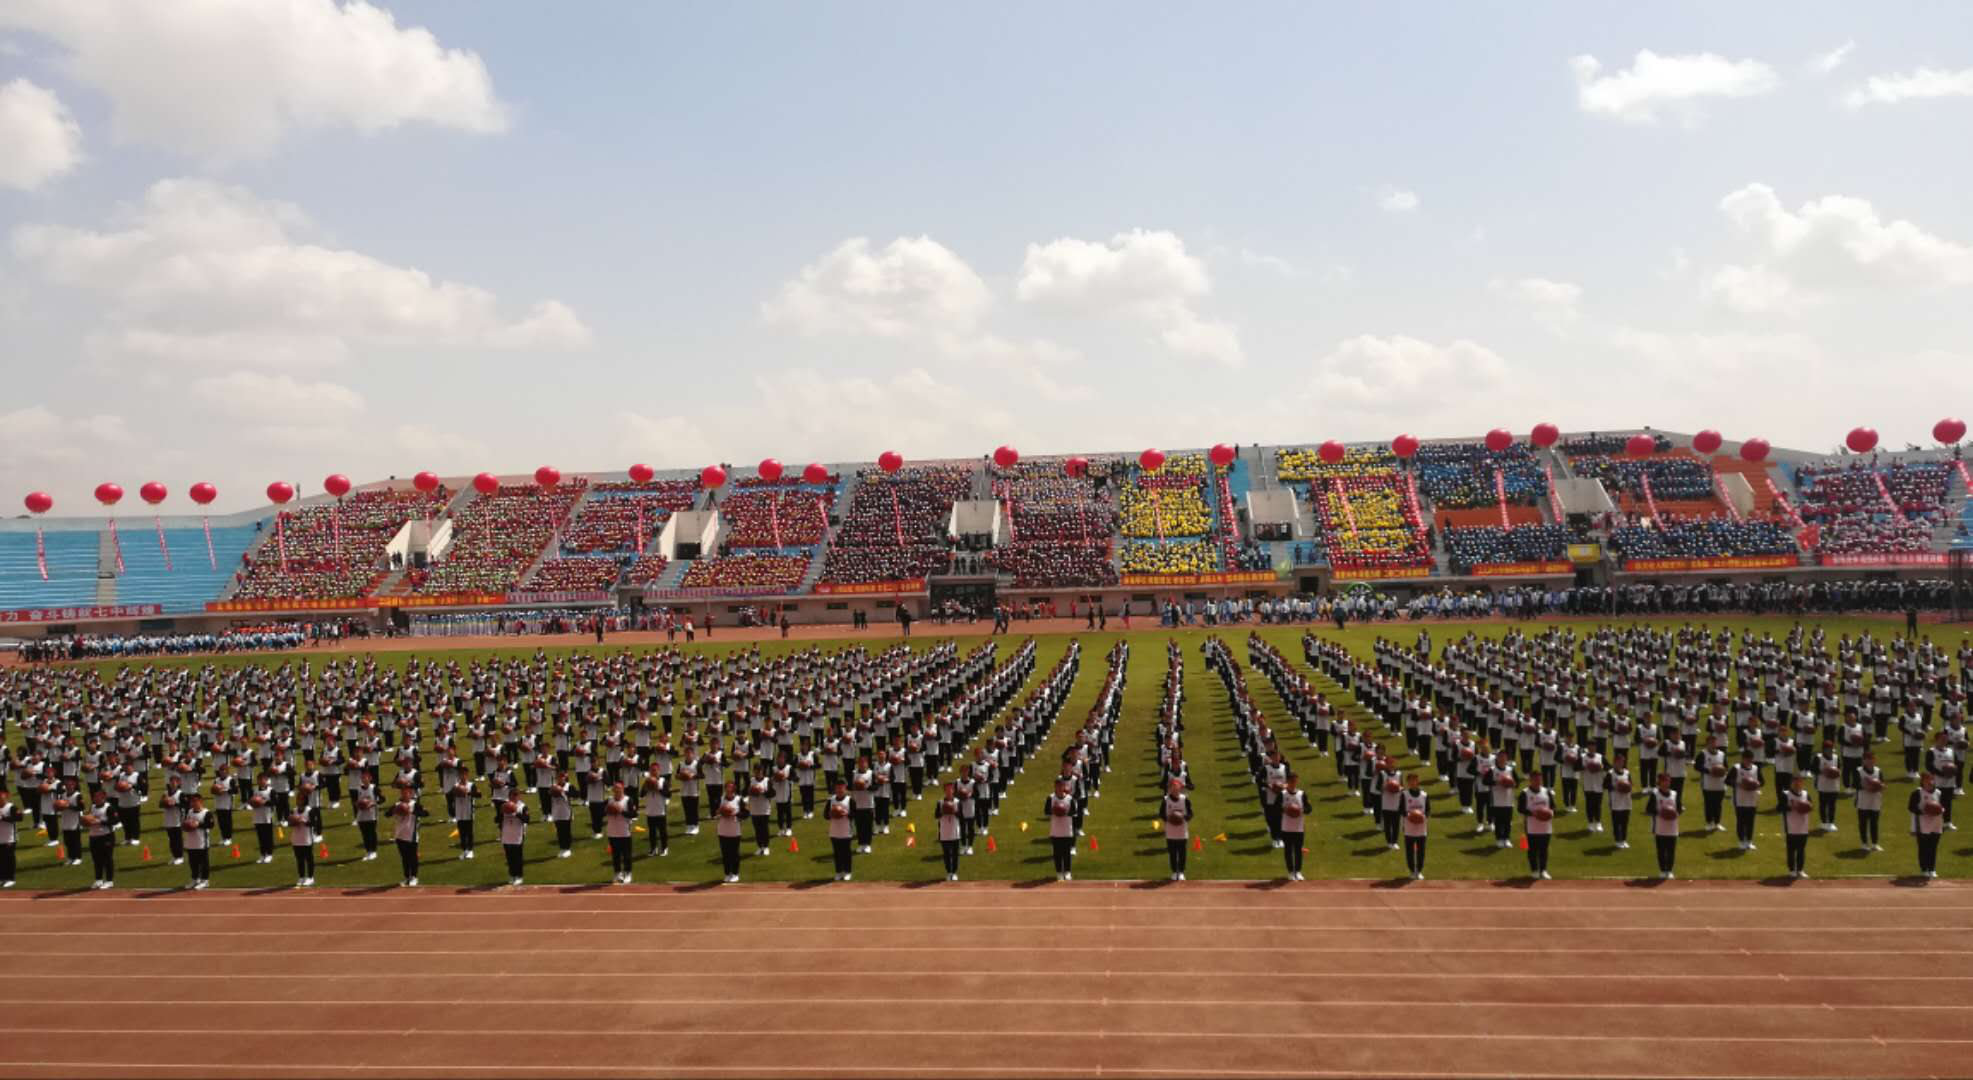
column 1121, row 841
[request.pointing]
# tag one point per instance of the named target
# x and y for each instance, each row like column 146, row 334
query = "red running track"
column 1201, row 980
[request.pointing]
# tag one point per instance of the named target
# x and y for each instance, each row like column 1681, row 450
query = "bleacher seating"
column 882, row 540
column 1304, row 463
column 72, row 569
column 1460, row 475
column 1714, row 538
column 1367, row 523
column 1470, row 547
column 192, row 581
column 1061, row 527
column 318, row 567
column 1595, row 444
column 585, row 573
column 648, row 568
column 607, row 522
column 1169, row 557
column 751, row 572
column 496, row 537
column 1673, row 478
column 783, row 515
column 1846, row 503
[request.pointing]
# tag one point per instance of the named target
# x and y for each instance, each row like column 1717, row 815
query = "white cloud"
column 1755, row 290
column 915, row 285
column 1676, row 84
column 36, row 438
column 1397, row 201
column 230, row 78
column 1250, row 257
column 668, row 441
column 1919, row 84
column 203, row 270
column 1838, row 240
column 1031, row 364
column 913, row 411
column 41, row 140
column 251, row 395
column 1826, row 63
column 1541, row 292
column 439, row 449
column 1402, row 375
column 1146, row 276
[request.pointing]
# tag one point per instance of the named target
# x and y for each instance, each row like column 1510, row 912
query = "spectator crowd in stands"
column 333, row 551
column 498, row 536
column 1460, row 475
column 1467, row 548
column 895, row 527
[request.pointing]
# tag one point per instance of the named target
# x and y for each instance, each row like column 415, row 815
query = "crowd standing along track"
column 1079, row 980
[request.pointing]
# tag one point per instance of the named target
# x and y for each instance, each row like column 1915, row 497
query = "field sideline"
column 1120, row 843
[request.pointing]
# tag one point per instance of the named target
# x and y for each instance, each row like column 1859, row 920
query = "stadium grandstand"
column 1602, row 508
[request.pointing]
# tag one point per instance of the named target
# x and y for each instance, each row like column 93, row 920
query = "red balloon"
column 1006, row 457
column 486, row 483
column 816, row 473
column 548, row 476
column 1949, row 430
column 1641, row 445
column 1707, row 441
column 1404, row 446
column 109, row 494
column 1331, row 451
column 1076, row 466
column 153, row 493
column 712, row 476
column 203, row 493
column 336, row 484
column 770, row 470
column 1151, row 460
column 425, row 481
column 1222, row 455
column 39, row 502
column 1544, row 435
column 279, row 492
column 642, row 474
column 890, row 461
column 1754, row 450
column 1862, row 440
column 1499, row 439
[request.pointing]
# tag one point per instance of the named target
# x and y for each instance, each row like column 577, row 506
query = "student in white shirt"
column 405, row 814
column 196, row 823
column 838, row 811
column 1661, row 806
column 948, row 814
column 10, row 821
column 1927, row 807
column 1295, row 810
column 1537, row 806
column 617, row 815
column 1795, row 817
column 1177, row 815
column 513, row 836
column 1059, row 808
column 1417, row 809
column 1870, row 802
column 730, row 814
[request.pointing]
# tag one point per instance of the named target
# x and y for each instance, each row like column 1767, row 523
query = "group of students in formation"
column 613, row 743
column 1539, row 727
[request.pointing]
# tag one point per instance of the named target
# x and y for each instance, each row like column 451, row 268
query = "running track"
column 1083, row 980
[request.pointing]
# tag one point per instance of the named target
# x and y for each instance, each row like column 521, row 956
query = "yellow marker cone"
column 910, row 827
column 281, row 833
column 639, row 829
column 1024, row 826
column 1221, row 838
column 454, row 836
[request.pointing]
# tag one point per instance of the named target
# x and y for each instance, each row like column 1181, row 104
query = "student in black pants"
column 1795, row 829
column 514, row 819
column 1661, row 806
column 10, row 821
column 1059, row 810
column 196, row 825
column 101, row 819
column 1177, row 812
column 404, row 830
column 837, row 809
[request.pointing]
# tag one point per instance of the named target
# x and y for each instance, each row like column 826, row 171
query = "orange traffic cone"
column 147, row 853
column 991, row 846
column 1524, row 843
column 794, row 846
column 1304, row 851
column 324, row 853
column 1198, row 844
column 911, row 841
column 236, row 851
column 1092, row 843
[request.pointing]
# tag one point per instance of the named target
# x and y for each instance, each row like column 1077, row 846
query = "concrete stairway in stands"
column 105, row 569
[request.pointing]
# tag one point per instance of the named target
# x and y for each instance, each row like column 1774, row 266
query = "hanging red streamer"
column 40, row 552
column 210, row 556
column 774, row 517
column 163, row 548
column 116, row 543
column 897, row 516
column 281, row 538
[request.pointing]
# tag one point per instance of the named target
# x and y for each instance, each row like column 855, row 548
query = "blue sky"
column 250, row 239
